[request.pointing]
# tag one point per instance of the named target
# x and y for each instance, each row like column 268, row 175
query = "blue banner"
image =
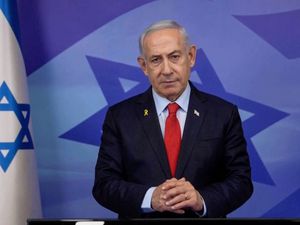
column 81, row 58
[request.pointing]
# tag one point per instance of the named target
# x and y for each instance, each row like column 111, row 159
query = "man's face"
column 167, row 62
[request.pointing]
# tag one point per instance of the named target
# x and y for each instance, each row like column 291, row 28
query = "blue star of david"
column 23, row 138
column 112, row 77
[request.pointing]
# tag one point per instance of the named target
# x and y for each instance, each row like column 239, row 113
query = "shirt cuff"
column 202, row 213
column 146, row 204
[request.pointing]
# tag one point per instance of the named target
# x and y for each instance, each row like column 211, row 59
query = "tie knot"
column 172, row 108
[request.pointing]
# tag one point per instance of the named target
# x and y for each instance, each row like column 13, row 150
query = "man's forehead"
column 163, row 41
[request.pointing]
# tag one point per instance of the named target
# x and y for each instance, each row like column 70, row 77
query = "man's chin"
column 172, row 96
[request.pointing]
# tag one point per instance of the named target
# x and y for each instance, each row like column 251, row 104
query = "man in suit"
column 172, row 151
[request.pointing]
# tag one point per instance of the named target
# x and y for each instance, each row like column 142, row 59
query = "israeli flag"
column 19, row 190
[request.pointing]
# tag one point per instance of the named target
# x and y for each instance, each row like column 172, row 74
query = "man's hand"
column 181, row 194
column 158, row 203
column 176, row 196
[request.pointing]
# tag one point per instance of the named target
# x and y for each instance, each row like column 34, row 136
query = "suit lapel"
column 146, row 113
column 194, row 120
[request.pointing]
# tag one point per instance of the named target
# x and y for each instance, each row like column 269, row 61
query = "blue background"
column 80, row 57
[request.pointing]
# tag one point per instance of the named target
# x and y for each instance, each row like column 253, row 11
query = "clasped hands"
column 176, row 196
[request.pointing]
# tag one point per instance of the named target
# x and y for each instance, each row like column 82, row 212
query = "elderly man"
column 172, row 151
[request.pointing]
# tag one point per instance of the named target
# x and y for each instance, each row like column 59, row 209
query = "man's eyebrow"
column 154, row 56
column 174, row 52
column 171, row 53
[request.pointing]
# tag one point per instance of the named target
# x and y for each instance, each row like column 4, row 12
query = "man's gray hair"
column 160, row 25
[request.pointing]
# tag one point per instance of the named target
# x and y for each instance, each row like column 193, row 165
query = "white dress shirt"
column 161, row 105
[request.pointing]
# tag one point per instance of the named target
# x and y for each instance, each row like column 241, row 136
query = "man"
column 172, row 151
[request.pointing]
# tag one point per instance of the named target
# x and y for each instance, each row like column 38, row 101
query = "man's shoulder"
column 131, row 102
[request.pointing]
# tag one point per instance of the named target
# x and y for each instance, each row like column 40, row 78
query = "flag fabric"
column 19, row 189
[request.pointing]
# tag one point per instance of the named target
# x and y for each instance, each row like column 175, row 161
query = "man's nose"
column 166, row 67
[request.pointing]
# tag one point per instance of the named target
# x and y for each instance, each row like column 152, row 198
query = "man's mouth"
column 168, row 81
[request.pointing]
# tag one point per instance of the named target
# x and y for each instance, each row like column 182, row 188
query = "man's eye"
column 155, row 60
column 175, row 57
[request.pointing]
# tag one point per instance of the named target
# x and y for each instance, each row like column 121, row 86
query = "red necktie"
column 172, row 137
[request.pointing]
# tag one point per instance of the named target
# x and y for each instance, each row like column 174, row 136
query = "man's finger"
column 176, row 199
column 169, row 184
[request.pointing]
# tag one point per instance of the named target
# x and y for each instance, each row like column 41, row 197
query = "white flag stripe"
column 11, row 64
column 20, row 193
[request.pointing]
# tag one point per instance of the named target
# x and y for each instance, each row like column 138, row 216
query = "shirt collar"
column 183, row 100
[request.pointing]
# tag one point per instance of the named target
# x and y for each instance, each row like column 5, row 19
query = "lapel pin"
column 146, row 112
column 196, row 112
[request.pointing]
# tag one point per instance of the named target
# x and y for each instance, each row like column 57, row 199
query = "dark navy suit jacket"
column 132, row 156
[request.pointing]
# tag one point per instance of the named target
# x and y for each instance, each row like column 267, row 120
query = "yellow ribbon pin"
column 146, row 112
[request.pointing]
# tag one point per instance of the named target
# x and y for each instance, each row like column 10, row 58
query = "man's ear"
column 192, row 55
column 143, row 65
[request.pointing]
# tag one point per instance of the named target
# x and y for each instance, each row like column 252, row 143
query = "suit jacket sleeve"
column 224, row 196
column 111, row 188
